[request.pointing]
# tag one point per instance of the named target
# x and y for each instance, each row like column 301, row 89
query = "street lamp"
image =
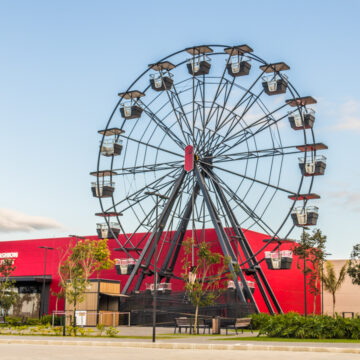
column 163, row 197
column 42, row 300
column 305, row 300
column 77, row 237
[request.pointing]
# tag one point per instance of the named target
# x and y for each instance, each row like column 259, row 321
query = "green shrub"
column 258, row 320
column 101, row 328
column 33, row 322
column 111, row 331
column 294, row 325
column 47, row 319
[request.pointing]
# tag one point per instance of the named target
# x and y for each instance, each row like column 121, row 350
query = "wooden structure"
column 101, row 303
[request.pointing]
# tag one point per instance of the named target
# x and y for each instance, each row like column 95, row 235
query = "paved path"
column 64, row 352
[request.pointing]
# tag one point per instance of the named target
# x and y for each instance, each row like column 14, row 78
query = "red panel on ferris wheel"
column 189, row 158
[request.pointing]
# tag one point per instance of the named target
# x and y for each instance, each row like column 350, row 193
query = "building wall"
column 286, row 284
column 347, row 297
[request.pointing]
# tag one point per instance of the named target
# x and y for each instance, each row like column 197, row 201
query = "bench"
column 203, row 324
column 239, row 323
column 183, row 322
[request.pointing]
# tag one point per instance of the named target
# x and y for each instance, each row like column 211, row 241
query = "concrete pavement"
column 64, row 352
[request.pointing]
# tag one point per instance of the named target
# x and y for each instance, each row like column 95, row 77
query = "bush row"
column 47, row 319
column 294, row 325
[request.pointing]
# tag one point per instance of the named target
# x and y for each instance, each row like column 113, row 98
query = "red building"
column 288, row 285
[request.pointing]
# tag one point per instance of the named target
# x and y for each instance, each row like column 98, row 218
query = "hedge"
column 294, row 325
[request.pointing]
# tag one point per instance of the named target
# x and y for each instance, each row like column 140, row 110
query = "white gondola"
column 111, row 147
column 251, row 285
column 104, row 189
column 305, row 216
column 199, row 64
column 131, row 109
column 275, row 84
column 106, row 231
column 298, row 121
column 313, row 167
column 279, row 260
column 238, row 65
column 124, row 266
column 162, row 79
column 163, row 287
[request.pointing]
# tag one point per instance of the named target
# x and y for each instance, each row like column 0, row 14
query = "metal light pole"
column 305, row 299
column 77, row 237
column 42, row 300
column 158, row 196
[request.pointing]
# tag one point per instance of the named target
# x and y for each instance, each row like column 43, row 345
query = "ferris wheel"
column 209, row 136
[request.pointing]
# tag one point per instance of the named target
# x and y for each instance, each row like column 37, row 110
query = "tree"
column 8, row 293
column 311, row 248
column 202, row 281
column 331, row 283
column 354, row 265
column 79, row 262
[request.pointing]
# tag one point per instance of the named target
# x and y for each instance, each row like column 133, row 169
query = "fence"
column 171, row 305
column 93, row 318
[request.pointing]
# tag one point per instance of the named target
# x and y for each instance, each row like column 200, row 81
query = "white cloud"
column 12, row 221
column 347, row 199
column 349, row 116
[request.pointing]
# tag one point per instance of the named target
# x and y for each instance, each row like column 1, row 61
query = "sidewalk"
column 181, row 341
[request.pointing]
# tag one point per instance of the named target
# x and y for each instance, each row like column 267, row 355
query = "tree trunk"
column 196, row 318
column 334, row 300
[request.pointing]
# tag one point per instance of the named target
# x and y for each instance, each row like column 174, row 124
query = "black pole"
column 42, row 298
column 305, row 303
column 322, row 287
column 155, row 276
column 43, row 288
column 305, row 300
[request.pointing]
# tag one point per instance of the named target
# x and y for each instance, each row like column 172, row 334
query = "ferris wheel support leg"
column 150, row 244
column 178, row 238
column 245, row 247
column 224, row 242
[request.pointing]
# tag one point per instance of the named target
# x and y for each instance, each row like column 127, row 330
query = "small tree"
column 331, row 282
column 312, row 248
column 202, row 281
column 8, row 293
column 354, row 265
column 79, row 263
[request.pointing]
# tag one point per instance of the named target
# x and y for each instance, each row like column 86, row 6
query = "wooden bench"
column 183, row 322
column 204, row 324
column 239, row 323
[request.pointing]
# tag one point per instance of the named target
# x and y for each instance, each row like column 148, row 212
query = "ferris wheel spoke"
column 235, row 122
column 219, row 90
column 255, row 180
column 236, row 106
column 148, row 168
column 182, row 115
column 235, row 117
column 153, row 184
column 152, row 146
column 161, row 125
column 241, row 203
column 256, row 154
column 245, row 134
column 176, row 95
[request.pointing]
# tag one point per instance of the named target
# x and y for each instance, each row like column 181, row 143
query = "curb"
column 184, row 346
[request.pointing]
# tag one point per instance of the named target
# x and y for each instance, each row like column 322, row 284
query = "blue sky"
column 63, row 63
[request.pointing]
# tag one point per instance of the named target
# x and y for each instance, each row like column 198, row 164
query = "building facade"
column 29, row 258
